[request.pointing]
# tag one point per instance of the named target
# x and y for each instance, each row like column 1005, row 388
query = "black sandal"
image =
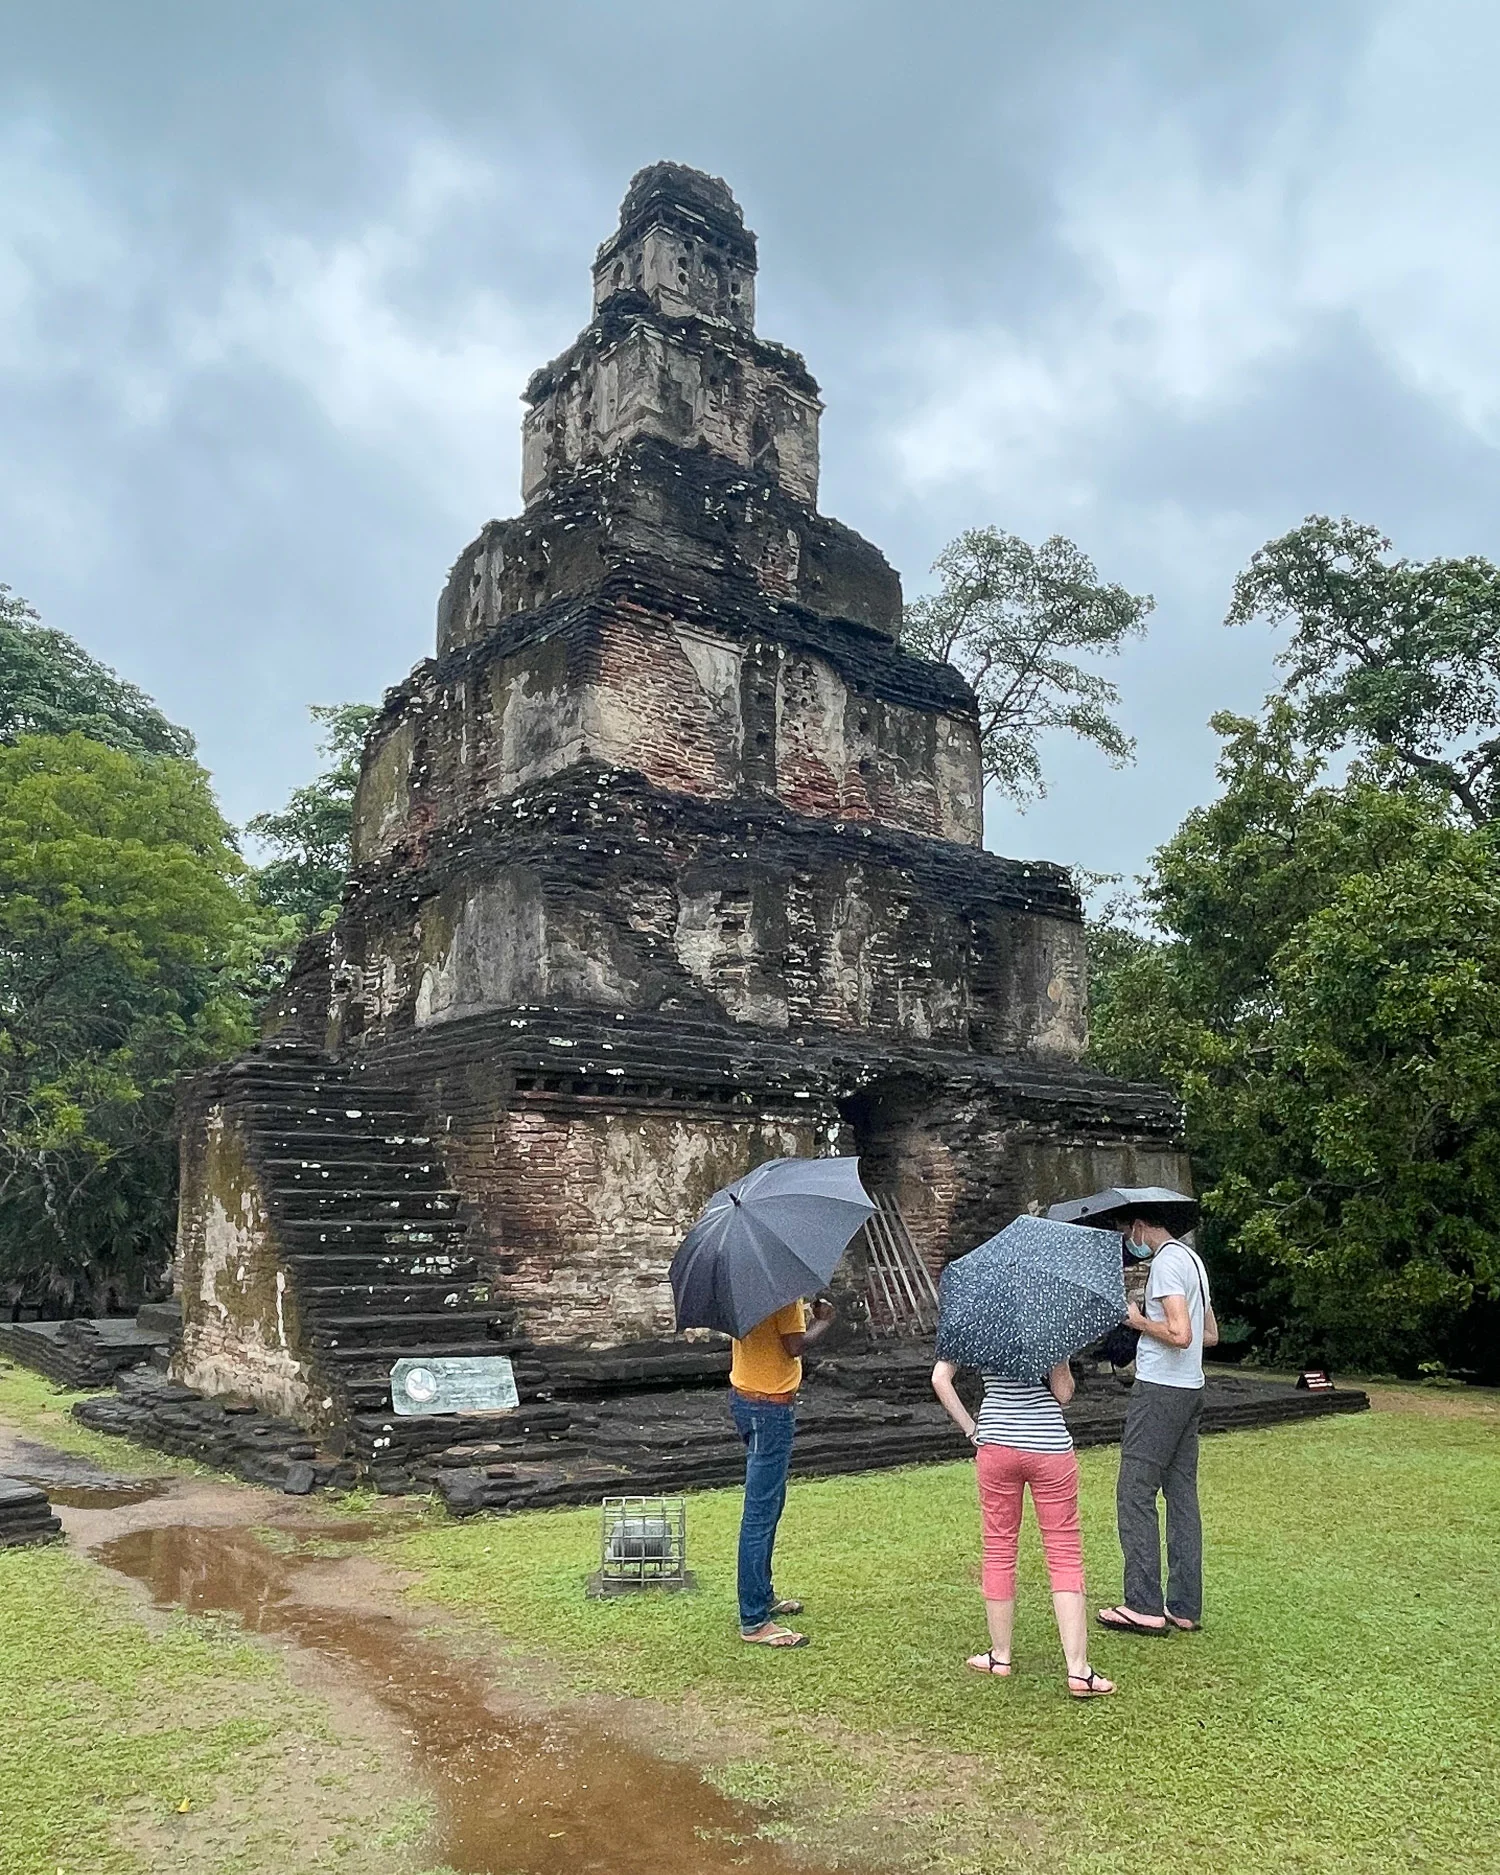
column 1124, row 1624
column 1094, row 1685
column 997, row 1669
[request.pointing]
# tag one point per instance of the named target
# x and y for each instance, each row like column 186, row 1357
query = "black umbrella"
column 772, row 1236
column 1174, row 1210
column 1030, row 1297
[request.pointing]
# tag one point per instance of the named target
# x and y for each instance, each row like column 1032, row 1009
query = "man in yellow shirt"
column 764, row 1377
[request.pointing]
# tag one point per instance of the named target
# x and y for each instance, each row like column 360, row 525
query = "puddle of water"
column 515, row 1794
column 362, row 1529
column 113, row 1495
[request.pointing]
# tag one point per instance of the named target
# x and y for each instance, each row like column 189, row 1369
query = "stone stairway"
column 376, row 1244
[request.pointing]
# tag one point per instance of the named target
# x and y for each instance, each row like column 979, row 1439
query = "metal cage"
column 642, row 1544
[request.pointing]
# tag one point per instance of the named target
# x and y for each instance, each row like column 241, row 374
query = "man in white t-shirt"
column 1159, row 1450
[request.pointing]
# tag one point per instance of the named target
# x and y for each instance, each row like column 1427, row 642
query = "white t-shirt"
column 1175, row 1271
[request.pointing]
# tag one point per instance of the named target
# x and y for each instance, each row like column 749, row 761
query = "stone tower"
column 669, row 861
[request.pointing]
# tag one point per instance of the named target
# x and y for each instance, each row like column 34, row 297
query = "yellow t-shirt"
column 761, row 1364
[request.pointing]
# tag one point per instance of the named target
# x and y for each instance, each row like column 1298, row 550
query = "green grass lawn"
column 1340, row 1713
column 110, row 1722
column 33, row 1406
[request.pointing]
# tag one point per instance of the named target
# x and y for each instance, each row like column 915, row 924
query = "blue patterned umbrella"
column 1030, row 1297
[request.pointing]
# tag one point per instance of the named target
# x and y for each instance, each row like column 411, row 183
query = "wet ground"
column 71, row 1481
column 520, row 1786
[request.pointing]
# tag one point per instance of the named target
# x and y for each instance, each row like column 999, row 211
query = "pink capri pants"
column 1004, row 1473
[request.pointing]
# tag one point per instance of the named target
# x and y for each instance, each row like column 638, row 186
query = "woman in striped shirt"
column 1021, row 1438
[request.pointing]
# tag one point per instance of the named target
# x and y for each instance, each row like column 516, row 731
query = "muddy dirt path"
column 520, row 1786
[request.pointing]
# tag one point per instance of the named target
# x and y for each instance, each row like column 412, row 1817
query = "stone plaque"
column 473, row 1383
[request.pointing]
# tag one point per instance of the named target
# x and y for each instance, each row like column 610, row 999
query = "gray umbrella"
column 1030, row 1297
column 1174, row 1209
column 772, row 1236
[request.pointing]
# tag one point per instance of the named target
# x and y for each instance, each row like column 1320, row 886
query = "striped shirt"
column 1023, row 1415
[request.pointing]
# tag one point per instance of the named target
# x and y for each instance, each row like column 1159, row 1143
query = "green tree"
column 1322, row 987
column 1399, row 657
column 310, row 836
column 1009, row 616
column 49, row 686
column 124, row 922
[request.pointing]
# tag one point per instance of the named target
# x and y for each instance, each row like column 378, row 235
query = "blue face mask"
column 1140, row 1252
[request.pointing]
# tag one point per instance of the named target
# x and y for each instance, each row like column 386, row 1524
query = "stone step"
column 322, row 1169
column 333, row 1083
column 363, row 1368
column 353, row 1104
column 427, row 1295
column 352, row 1275
column 355, row 1163
column 350, row 1357
column 335, row 1148
column 374, row 1233
column 298, row 1204
column 297, row 1136
column 584, row 1373
column 272, row 1115
column 408, row 1327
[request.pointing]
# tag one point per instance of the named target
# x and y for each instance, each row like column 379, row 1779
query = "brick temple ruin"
column 669, row 861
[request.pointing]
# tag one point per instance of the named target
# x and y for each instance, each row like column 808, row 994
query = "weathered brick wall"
column 654, row 517
column 582, row 1207
column 961, row 1168
column 475, row 736
column 595, row 890
column 649, row 374
column 241, row 1333
column 695, row 710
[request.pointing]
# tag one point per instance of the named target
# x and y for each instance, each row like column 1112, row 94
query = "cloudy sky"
column 1163, row 277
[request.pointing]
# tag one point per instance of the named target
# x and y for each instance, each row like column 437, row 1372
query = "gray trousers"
column 1159, row 1453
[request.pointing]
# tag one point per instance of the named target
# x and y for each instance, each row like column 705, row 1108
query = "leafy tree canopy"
column 50, row 686
column 1008, row 616
column 1321, row 983
column 124, row 926
column 309, row 838
column 1396, row 656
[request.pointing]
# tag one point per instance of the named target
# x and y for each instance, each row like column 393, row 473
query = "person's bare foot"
column 772, row 1634
column 1089, row 1685
column 988, row 1663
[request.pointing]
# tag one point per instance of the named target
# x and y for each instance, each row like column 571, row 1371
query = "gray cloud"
column 1164, row 278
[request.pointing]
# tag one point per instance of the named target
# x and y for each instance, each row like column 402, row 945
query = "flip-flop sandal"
column 1093, row 1685
column 1000, row 1668
column 1183, row 1626
column 778, row 1637
column 787, row 1607
column 1123, row 1623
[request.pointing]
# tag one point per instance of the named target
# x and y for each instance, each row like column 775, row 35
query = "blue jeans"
column 767, row 1432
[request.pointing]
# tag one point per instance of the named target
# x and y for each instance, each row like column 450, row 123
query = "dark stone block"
column 300, row 1479
column 15, row 1494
